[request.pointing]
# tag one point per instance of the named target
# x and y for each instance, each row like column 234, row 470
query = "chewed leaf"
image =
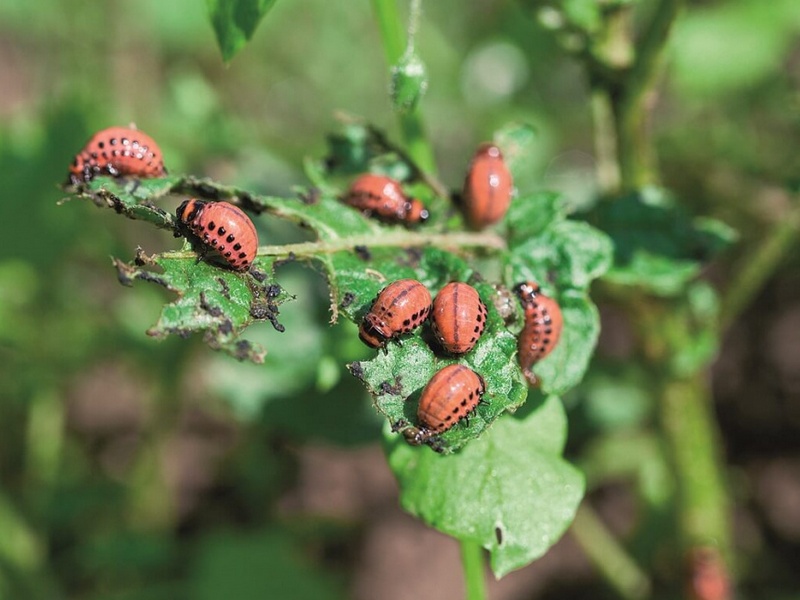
column 510, row 491
column 211, row 299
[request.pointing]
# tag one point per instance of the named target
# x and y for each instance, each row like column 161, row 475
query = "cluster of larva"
column 127, row 152
column 458, row 319
column 458, row 315
column 485, row 198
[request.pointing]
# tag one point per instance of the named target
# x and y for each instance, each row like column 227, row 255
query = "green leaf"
column 518, row 142
column 530, row 215
column 696, row 347
column 657, row 245
column 211, row 299
column 584, row 14
column 720, row 49
column 396, row 378
column 409, row 82
column 563, row 257
column 235, row 21
column 509, row 491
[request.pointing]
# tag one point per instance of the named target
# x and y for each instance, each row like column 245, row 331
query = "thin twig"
column 758, row 267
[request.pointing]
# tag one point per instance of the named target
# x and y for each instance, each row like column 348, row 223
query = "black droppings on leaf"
column 225, row 289
column 267, row 311
column 226, row 327
column 363, row 253
column 393, row 389
column 273, row 290
column 356, row 369
column 142, row 258
column 498, row 533
column 347, row 299
column 259, row 276
column 411, row 259
column 214, row 311
column 126, row 274
column 244, row 350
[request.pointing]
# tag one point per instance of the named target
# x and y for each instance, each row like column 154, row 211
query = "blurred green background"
column 132, row 468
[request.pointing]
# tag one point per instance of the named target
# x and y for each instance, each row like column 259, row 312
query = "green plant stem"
column 472, row 559
column 609, row 557
column 692, row 437
column 391, row 29
column 394, row 44
column 636, row 159
column 405, row 239
column 605, row 143
column 758, row 267
column 621, row 77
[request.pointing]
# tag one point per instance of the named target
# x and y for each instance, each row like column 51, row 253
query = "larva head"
column 527, row 291
column 188, row 210
column 373, row 332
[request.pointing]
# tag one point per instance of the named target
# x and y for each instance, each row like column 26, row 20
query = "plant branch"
column 648, row 55
column 472, row 560
column 394, row 44
column 758, row 267
column 405, row 239
column 609, row 557
column 693, row 442
column 634, row 147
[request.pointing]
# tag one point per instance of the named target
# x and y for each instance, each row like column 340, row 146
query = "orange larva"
column 383, row 197
column 458, row 318
column 542, row 329
column 117, row 151
column 450, row 396
column 398, row 309
column 487, row 188
column 222, row 227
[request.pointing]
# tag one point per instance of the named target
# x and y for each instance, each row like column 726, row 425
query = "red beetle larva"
column 487, row 188
column 542, row 329
column 458, row 318
column 224, row 228
column 384, row 198
column 118, row 151
column 399, row 308
column 450, row 396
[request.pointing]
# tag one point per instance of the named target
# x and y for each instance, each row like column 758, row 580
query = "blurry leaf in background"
column 235, row 21
column 701, row 343
column 657, row 244
column 34, row 161
column 720, row 48
column 510, row 491
column 258, row 565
